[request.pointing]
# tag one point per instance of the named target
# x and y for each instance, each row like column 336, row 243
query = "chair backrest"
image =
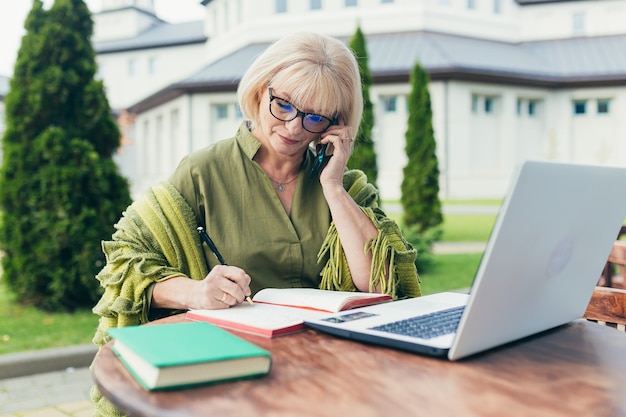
column 618, row 257
column 608, row 306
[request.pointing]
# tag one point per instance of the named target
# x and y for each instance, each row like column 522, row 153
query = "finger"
column 230, row 274
column 227, row 299
column 240, row 279
column 235, row 293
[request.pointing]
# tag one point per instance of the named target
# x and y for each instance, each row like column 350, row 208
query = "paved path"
column 50, row 394
column 47, row 385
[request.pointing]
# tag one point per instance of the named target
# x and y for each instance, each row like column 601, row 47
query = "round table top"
column 577, row 368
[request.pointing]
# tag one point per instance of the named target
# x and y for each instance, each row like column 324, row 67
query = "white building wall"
column 478, row 152
column 389, row 137
column 478, row 149
column 579, row 18
column 134, row 75
column 232, row 24
column 161, row 137
column 122, row 24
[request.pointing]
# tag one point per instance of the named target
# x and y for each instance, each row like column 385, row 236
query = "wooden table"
column 576, row 370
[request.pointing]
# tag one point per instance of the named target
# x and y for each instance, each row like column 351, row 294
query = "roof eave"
column 179, row 89
column 104, row 51
column 501, row 77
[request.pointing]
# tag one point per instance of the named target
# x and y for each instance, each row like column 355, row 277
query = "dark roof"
column 158, row 36
column 554, row 63
column 561, row 63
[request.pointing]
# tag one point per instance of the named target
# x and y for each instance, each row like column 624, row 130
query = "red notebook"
column 282, row 311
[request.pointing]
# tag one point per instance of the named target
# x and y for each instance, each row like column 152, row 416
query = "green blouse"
column 236, row 202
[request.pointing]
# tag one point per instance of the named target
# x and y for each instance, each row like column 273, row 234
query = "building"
column 510, row 80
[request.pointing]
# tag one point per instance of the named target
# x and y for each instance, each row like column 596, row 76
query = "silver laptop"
column 550, row 242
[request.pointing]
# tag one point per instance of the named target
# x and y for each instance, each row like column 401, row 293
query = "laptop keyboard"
column 426, row 326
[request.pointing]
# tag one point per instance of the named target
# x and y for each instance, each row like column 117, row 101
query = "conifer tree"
column 420, row 183
column 60, row 190
column 364, row 155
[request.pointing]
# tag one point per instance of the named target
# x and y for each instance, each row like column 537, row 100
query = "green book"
column 164, row 356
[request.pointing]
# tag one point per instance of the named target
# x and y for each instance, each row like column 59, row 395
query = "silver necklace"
column 280, row 185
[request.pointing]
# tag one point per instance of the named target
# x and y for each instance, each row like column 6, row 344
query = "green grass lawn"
column 27, row 328
column 449, row 272
column 467, row 227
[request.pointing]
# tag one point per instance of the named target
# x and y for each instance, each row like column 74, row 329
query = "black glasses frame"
column 331, row 122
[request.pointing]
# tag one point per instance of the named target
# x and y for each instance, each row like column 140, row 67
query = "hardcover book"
column 164, row 356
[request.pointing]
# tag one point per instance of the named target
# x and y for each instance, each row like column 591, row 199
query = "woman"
column 277, row 219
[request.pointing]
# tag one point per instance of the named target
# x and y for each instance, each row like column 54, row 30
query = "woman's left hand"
column 341, row 143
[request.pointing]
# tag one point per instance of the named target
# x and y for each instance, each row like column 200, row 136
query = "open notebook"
column 545, row 254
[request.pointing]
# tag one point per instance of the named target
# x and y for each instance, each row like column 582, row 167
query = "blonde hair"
column 314, row 69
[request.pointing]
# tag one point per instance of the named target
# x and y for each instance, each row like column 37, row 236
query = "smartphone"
column 321, row 161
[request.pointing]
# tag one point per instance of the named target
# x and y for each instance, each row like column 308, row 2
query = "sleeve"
column 153, row 241
column 389, row 247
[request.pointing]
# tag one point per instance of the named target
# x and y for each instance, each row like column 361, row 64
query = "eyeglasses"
column 284, row 111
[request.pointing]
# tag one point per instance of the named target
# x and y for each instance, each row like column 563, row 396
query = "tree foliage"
column 364, row 155
column 60, row 190
column 420, row 184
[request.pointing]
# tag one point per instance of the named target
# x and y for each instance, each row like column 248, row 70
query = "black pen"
column 207, row 239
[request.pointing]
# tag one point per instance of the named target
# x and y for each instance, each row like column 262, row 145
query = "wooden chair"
column 617, row 259
column 608, row 307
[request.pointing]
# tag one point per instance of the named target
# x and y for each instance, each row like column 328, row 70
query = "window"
column 603, row 106
column 281, row 6
column 174, row 125
column 389, row 103
column 386, row 1
column 153, row 65
column 489, row 105
column 238, row 11
column 471, row 4
column 133, row 67
column 580, row 106
column 238, row 113
column 528, row 107
column 578, row 23
column 350, row 3
column 221, row 111
column 158, row 139
column 532, row 107
column 475, row 100
column 497, row 6
column 315, row 4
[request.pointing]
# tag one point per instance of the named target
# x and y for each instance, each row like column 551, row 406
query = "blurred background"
column 509, row 79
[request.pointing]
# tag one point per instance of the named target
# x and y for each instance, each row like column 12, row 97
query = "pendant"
column 280, row 187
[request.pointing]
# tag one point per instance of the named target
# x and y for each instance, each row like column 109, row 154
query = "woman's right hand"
column 224, row 286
